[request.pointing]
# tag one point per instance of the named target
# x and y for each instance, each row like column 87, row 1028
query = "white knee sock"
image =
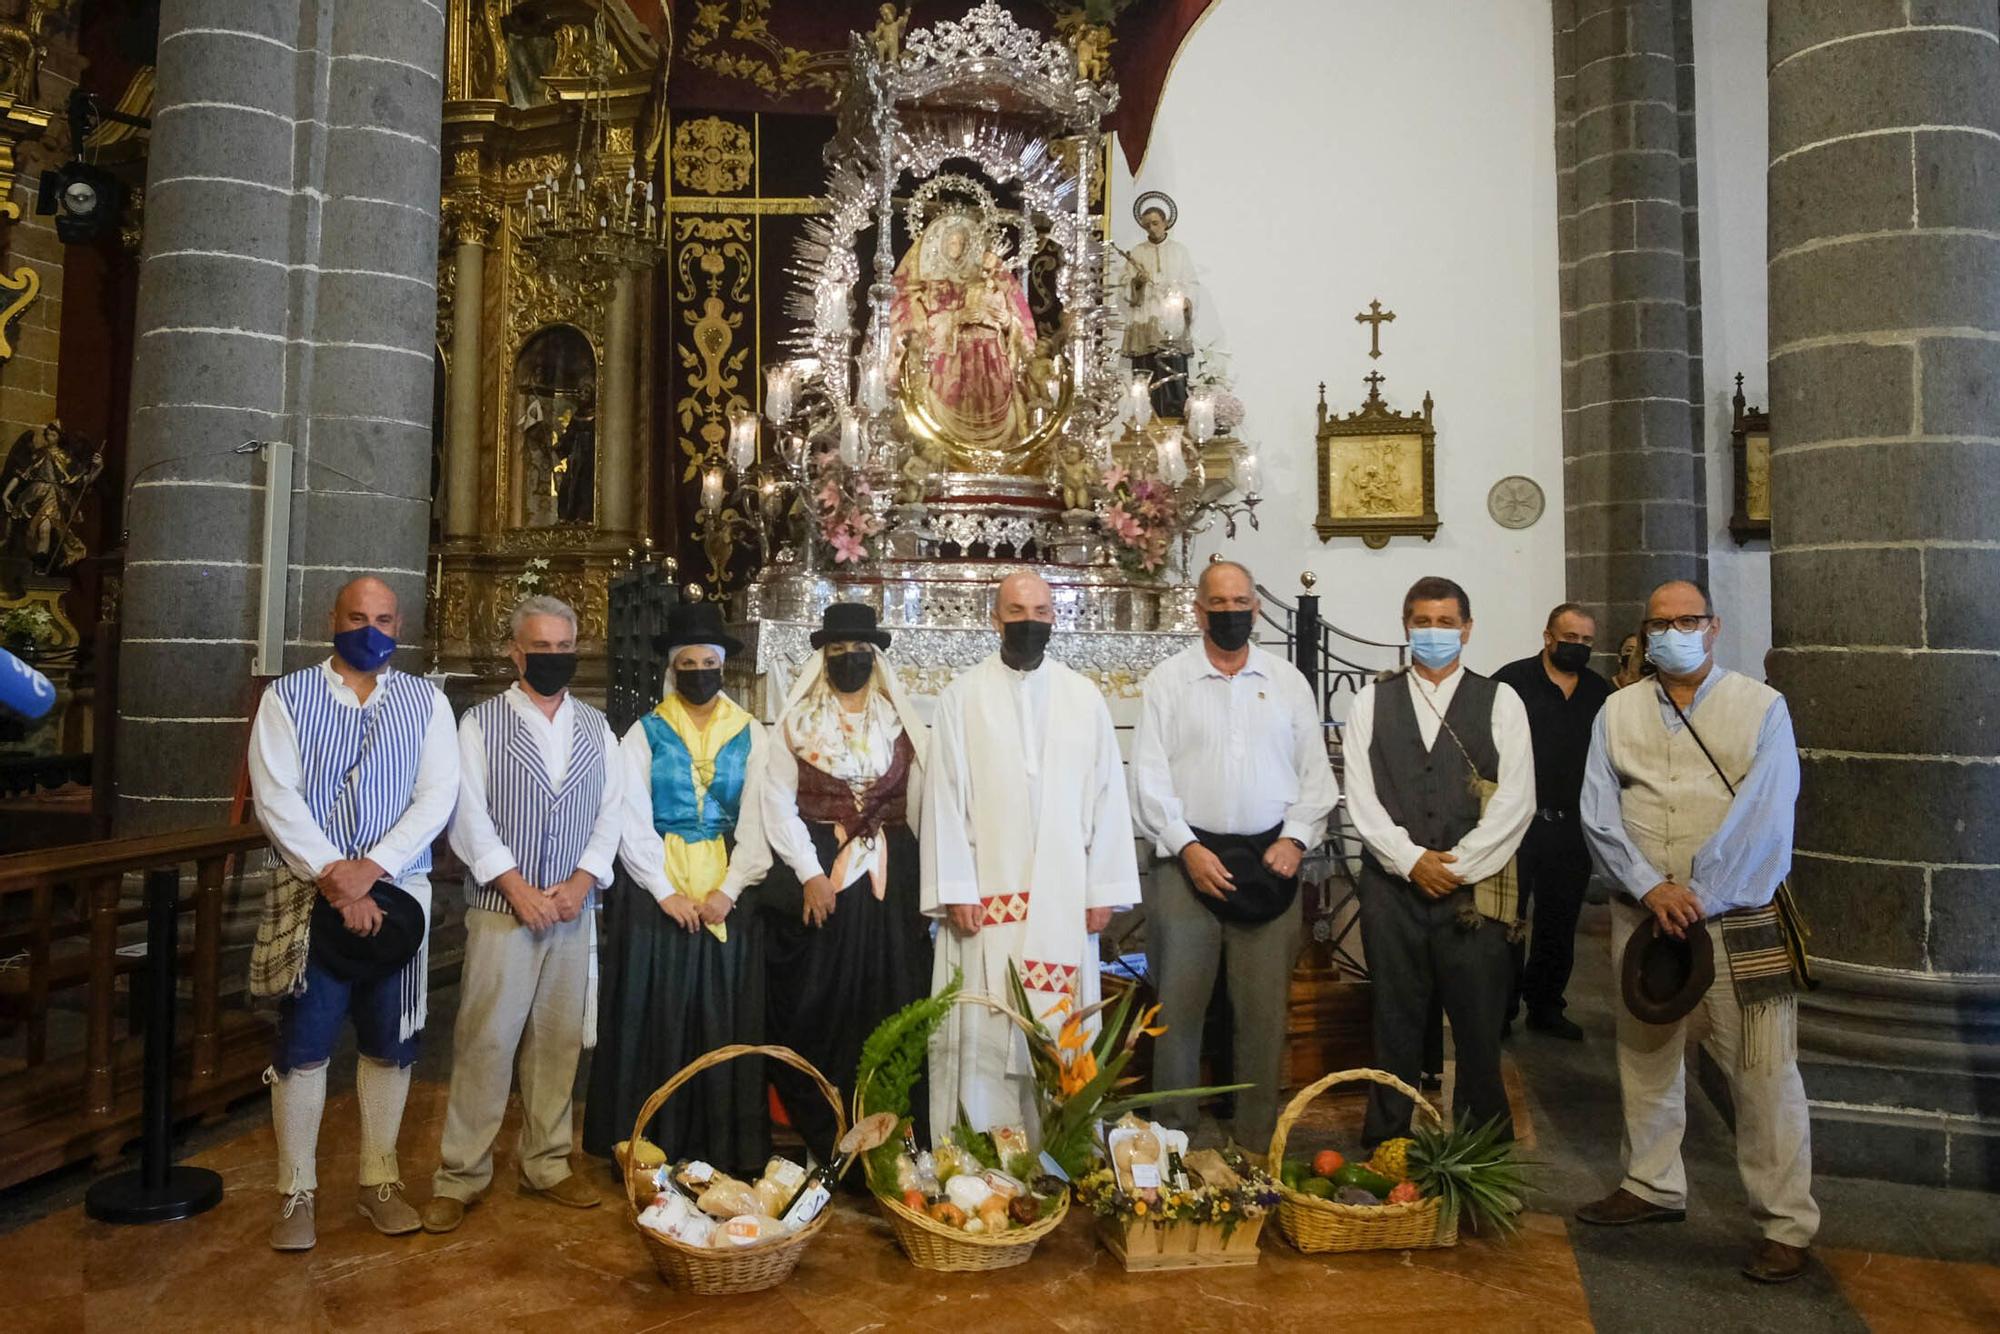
column 297, row 1099
column 382, row 1089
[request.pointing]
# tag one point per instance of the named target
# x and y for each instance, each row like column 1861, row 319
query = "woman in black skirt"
column 846, row 944
column 682, row 963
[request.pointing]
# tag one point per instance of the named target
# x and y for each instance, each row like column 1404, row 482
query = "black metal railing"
column 1330, row 657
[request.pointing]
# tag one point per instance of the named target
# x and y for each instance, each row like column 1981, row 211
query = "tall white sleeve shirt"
column 1484, row 850
column 277, row 780
column 473, row 837
column 1230, row 754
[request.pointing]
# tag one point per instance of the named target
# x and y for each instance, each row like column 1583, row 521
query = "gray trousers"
column 1186, row 944
column 520, row 995
column 1417, row 947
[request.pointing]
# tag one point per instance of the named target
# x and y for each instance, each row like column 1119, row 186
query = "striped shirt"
column 336, row 777
column 539, row 795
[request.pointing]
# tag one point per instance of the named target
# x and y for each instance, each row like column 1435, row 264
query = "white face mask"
column 1677, row 652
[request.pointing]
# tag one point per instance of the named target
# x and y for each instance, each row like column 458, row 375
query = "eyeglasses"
column 1662, row 624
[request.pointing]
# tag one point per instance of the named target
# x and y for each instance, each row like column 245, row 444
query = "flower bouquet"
column 846, row 514
column 1136, row 513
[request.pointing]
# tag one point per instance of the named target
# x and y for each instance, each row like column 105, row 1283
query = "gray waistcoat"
column 1429, row 792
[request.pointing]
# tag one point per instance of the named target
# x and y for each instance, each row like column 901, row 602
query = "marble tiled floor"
column 518, row 1262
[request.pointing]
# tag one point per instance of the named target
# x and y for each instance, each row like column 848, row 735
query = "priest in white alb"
column 1027, row 852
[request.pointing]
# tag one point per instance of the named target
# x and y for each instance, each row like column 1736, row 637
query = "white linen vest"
column 1669, row 794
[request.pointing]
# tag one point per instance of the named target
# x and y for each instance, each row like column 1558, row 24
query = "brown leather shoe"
column 1621, row 1207
column 1774, row 1262
column 570, row 1192
column 442, row 1213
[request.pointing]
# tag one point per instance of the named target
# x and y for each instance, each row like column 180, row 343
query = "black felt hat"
column 1664, row 978
column 849, row 622
column 696, row 623
column 353, row 958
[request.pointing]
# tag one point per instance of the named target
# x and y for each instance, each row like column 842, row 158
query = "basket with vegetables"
column 1411, row 1193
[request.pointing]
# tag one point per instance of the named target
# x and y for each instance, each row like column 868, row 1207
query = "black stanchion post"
column 159, row 1191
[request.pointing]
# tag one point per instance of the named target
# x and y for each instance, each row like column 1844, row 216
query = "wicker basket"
column 1315, row 1225
column 932, row 1245
column 717, row 1271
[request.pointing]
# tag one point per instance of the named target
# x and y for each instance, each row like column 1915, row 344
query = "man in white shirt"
column 1441, row 788
column 538, row 824
column 354, row 769
column 1231, row 771
column 1027, row 852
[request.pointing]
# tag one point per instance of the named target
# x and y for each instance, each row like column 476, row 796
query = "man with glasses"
column 1687, row 806
column 1562, row 696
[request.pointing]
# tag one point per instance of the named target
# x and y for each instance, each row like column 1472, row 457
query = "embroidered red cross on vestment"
column 1002, row 909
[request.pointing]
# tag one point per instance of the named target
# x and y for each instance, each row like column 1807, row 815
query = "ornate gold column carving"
column 469, row 225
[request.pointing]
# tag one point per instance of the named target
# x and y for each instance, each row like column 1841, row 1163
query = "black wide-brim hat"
column 353, row 958
column 696, row 623
column 849, row 623
column 1663, row 978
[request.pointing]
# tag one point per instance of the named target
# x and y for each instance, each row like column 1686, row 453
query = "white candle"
column 779, row 382
column 1201, row 417
column 874, row 386
column 1173, row 463
column 850, row 437
column 1249, row 474
column 711, row 489
column 1139, row 401
column 1173, row 309
column 742, row 440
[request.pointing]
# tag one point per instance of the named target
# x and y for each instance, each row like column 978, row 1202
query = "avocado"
column 1354, row 1174
column 1317, row 1187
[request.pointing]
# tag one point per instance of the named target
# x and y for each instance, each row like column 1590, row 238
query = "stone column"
column 1632, row 476
column 616, row 481
column 1885, row 349
column 288, row 292
column 461, row 522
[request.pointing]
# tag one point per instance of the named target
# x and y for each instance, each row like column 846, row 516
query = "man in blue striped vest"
column 538, row 826
column 354, row 772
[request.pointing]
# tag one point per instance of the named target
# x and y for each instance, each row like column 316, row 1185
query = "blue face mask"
column 363, row 648
column 1677, row 652
column 1434, row 646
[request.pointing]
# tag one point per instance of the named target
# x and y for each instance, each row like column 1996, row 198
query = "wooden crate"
column 1141, row 1246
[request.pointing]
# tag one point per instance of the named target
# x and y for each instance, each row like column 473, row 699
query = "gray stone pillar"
column 462, row 403
column 287, row 292
column 1885, row 566
column 616, row 481
column 1633, row 499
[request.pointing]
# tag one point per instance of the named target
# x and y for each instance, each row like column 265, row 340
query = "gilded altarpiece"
column 548, row 408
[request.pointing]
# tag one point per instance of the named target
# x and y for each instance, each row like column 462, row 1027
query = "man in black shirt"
column 1562, row 696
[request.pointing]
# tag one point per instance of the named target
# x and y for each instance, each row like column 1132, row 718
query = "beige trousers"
column 520, row 995
column 1773, row 1132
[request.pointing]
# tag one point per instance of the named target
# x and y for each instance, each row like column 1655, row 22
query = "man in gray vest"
column 1687, row 805
column 537, row 826
column 1441, row 788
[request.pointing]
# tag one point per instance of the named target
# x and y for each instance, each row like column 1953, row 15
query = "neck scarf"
column 698, row 869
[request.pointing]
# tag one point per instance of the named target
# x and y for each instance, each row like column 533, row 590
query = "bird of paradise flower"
column 1080, row 1076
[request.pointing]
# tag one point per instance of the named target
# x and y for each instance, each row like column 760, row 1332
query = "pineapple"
column 1391, row 1160
column 1473, row 1171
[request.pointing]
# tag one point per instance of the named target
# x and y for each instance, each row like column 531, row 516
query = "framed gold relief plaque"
column 1750, row 450
column 1377, row 471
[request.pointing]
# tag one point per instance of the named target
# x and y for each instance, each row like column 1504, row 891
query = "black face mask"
column 547, row 673
column 849, row 671
column 1022, row 643
column 698, row 685
column 1230, row 630
column 1571, row 658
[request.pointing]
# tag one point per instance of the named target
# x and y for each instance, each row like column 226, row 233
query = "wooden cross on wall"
column 1375, row 317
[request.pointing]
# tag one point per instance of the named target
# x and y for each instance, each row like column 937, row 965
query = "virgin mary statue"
column 966, row 335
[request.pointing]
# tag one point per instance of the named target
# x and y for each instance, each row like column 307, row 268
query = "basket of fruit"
column 978, row 1200
column 710, row 1234
column 1409, row 1195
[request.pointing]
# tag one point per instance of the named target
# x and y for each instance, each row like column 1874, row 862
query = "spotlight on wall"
column 86, row 201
